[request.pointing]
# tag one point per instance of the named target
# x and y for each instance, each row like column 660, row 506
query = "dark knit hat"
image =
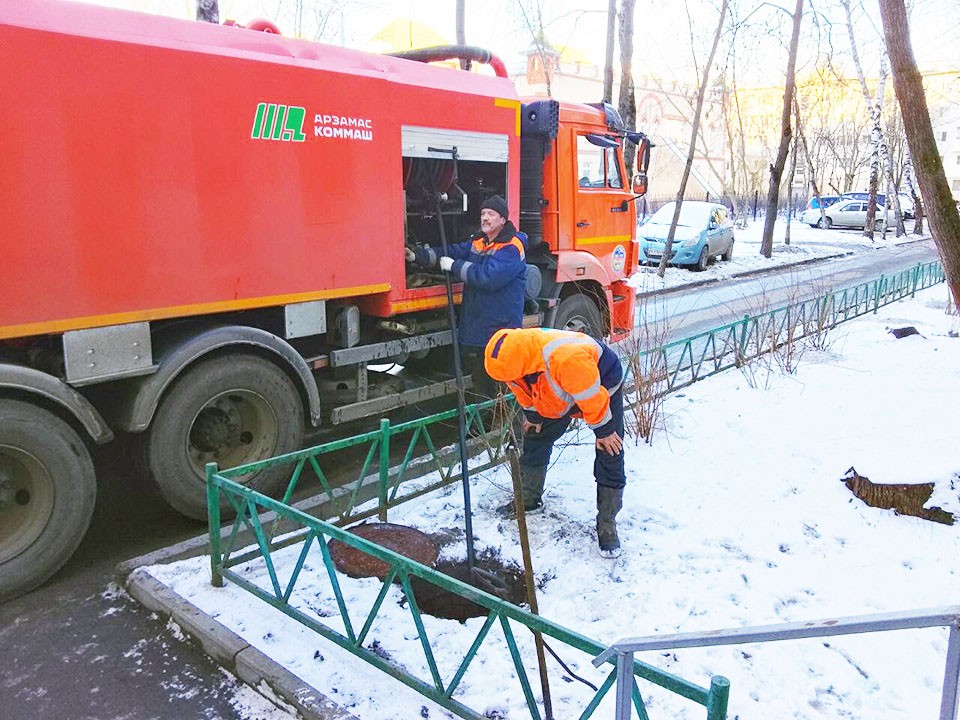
column 497, row 204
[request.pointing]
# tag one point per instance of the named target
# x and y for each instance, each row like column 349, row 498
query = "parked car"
column 704, row 231
column 825, row 200
column 844, row 213
column 906, row 202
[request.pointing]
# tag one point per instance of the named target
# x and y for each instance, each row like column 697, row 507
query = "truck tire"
column 229, row 410
column 48, row 488
column 581, row 314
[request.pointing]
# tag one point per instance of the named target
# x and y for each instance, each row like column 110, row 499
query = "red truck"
column 202, row 244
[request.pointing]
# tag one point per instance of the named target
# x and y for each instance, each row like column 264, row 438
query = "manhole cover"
column 406, row 541
column 434, row 600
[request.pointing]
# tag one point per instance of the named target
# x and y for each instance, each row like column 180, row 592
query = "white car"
column 846, row 213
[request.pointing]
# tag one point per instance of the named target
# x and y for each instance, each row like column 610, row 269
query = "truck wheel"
column 47, row 492
column 228, row 410
column 581, row 314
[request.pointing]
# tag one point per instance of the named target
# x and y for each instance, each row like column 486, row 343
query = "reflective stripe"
column 431, row 256
column 608, row 416
column 482, row 247
column 548, row 349
column 589, row 392
column 463, row 269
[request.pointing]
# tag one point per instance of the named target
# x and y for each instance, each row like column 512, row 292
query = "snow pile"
column 735, row 516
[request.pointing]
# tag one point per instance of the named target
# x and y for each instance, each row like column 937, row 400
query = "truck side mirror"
column 640, row 184
column 643, row 164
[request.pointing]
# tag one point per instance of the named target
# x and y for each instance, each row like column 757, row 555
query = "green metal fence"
column 683, row 362
column 444, row 675
column 405, row 461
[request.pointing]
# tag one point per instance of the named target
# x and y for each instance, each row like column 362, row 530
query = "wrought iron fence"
column 443, row 677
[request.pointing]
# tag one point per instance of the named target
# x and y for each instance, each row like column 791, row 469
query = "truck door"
column 600, row 222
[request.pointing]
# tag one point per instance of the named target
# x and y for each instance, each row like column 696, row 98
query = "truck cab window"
column 590, row 164
column 614, row 179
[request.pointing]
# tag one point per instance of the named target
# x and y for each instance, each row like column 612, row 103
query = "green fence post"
column 213, row 522
column 876, row 295
column 717, row 698
column 384, row 466
column 743, row 337
column 916, row 279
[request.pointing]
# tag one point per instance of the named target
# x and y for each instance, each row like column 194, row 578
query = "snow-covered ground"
column 735, row 516
column 806, row 243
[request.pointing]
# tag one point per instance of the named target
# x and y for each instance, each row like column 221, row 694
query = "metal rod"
column 458, row 370
column 528, row 576
column 213, row 524
column 951, row 676
column 624, row 687
column 879, row 622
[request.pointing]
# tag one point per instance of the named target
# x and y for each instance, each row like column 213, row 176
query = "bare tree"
column 874, row 107
column 792, row 173
column 941, row 210
column 627, row 105
column 533, row 19
column 776, row 169
column 208, row 11
column 462, row 30
column 608, row 63
column 704, row 83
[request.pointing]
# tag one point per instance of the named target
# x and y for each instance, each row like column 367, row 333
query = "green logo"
column 278, row 122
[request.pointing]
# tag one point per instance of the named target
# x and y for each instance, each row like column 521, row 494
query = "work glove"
column 446, row 263
column 409, row 254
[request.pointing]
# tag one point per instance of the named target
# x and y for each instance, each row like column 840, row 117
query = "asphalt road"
column 79, row 649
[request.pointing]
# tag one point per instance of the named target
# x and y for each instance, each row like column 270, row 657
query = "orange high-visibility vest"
column 551, row 372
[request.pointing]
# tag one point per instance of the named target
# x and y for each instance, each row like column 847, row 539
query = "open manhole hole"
column 434, row 600
column 406, row 541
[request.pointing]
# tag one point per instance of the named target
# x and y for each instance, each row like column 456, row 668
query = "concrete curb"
column 232, row 652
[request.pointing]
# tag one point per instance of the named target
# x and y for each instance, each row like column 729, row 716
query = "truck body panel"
column 140, row 183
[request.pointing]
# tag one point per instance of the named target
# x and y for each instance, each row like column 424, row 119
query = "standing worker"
column 492, row 267
column 557, row 375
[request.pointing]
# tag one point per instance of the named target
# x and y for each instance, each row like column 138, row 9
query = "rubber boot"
column 609, row 502
column 531, row 484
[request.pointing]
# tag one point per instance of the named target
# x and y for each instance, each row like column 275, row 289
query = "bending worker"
column 557, row 375
column 492, row 267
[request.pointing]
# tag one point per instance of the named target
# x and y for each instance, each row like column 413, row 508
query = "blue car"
column 704, row 231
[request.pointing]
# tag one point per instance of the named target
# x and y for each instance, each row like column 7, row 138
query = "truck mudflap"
column 621, row 310
column 136, row 401
column 36, row 383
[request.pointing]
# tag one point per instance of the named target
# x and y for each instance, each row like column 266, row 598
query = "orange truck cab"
column 576, row 206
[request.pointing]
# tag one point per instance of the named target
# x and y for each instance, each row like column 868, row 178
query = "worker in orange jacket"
column 557, row 375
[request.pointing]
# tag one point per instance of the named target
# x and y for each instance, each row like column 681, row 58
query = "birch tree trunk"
column 701, row 94
column 776, row 169
column 941, row 210
column 811, row 172
column 914, row 194
column 875, row 140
